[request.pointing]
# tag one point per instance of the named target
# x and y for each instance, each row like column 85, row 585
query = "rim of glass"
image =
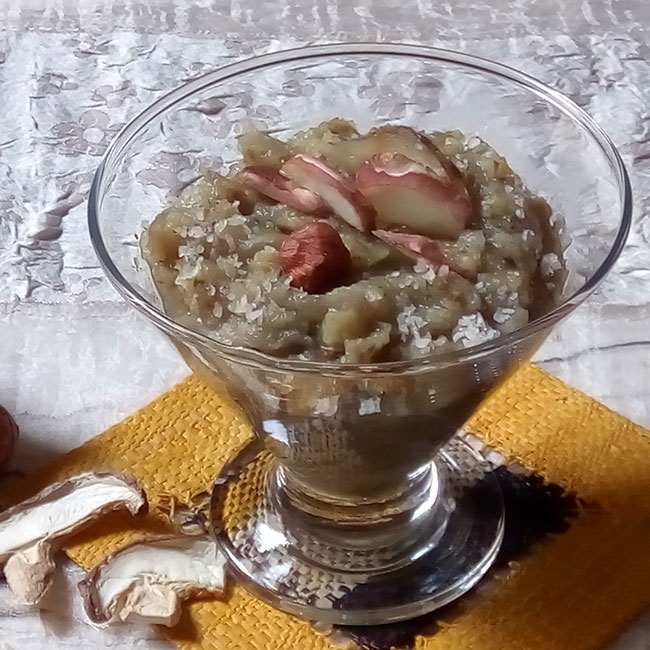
column 254, row 357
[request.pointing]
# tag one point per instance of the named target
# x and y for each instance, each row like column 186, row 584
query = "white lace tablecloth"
column 75, row 359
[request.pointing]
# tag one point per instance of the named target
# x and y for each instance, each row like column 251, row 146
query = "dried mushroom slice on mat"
column 32, row 531
column 147, row 581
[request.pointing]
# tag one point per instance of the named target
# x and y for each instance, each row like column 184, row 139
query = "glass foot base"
column 324, row 577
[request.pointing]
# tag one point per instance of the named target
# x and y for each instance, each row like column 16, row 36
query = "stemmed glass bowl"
column 356, row 500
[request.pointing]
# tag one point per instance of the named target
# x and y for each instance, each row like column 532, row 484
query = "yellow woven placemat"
column 574, row 591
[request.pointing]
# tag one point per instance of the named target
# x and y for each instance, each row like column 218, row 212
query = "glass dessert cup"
column 356, row 501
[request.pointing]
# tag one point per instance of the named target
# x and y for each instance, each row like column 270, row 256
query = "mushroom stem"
column 32, row 531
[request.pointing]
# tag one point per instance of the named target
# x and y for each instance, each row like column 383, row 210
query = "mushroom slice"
column 337, row 191
column 281, row 189
column 32, row 531
column 147, row 581
column 407, row 194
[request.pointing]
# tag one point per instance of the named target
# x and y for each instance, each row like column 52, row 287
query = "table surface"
column 75, row 359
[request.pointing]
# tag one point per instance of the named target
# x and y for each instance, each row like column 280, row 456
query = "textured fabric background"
column 75, row 359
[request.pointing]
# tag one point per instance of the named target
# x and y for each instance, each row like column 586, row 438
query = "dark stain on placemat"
column 534, row 509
